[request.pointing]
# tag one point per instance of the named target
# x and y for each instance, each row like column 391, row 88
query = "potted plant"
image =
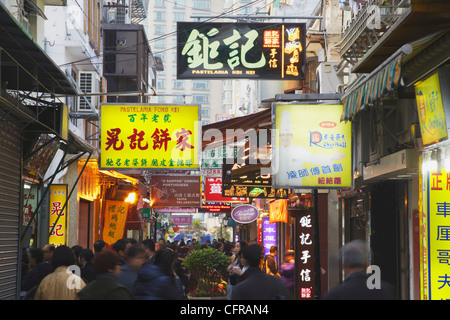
column 209, row 266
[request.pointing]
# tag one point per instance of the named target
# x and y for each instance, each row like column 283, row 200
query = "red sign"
column 182, row 220
column 213, row 191
column 215, row 208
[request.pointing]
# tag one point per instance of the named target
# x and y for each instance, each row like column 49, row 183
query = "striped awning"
column 369, row 88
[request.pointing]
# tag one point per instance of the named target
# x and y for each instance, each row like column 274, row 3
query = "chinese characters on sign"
column 431, row 110
column 149, row 136
column 269, row 235
column 304, row 255
column 115, row 219
column 182, row 220
column 241, row 50
column 312, row 147
column 175, row 191
column 58, row 197
column 437, row 235
column 213, row 191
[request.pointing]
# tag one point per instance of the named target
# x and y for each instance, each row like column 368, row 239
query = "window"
column 161, row 99
column 202, row 4
column 160, row 29
column 160, row 4
column 179, row 4
column 178, row 84
column 160, row 43
column 160, row 83
column 201, row 98
column 205, row 112
column 200, row 85
column 178, row 99
column 160, row 16
column 178, row 16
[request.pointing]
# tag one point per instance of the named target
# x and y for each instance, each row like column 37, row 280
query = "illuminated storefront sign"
column 241, row 50
column 312, row 147
column 436, row 235
column 431, row 110
column 269, row 235
column 213, row 191
column 175, row 191
column 57, row 216
column 149, row 136
column 304, row 256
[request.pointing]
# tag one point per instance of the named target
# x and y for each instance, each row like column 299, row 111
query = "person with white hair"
column 356, row 285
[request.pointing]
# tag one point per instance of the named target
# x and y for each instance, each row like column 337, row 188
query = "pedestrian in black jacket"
column 355, row 285
column 39, row 270
column 254, row 284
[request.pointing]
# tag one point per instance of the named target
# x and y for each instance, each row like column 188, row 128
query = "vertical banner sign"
column 241, row 50
column 278, row 211
column 433, row 125
column 304, row 256
column 269, row 235
column 115, row 219
column 436, row 257
column 313, row 148
column 150, row 136
column 58, row 197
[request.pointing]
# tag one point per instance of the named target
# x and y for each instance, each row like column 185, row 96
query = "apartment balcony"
column 381, row 27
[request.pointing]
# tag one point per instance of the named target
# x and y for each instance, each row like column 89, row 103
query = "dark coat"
column 355, row 287
column 104, row 287
column 254, row 284
column 35, row 275
column 87, row 273
column 127, row 277
column 154, row 284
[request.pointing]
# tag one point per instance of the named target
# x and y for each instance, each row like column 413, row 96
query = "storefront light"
column 131, row 197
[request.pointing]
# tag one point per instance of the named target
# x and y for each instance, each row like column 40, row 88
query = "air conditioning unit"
column 327, row 79
column 89, row 82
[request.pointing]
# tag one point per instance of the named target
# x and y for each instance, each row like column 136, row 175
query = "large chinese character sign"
column 436, row 235
column 57, row 214
column 312, row 147
column 149, row 136
column 241, row 50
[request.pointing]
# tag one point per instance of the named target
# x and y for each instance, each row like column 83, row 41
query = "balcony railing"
column 373, row 19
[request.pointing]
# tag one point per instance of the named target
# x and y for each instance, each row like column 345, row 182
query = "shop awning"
column 23, row 64
column 411, row 60
column 254, row 121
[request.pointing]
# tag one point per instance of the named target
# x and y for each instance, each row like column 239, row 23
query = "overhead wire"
column 223, row 15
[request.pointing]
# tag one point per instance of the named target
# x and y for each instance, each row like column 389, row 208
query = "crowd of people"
column 149, row 270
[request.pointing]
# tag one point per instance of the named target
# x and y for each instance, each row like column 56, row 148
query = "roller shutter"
column 10, row 198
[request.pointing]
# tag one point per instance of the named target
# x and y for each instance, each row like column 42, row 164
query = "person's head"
column 48, row 250
column 164, row 258
column 238, row 246
column 149, row 247
column 183, row 250
column 251, row 255
column 76, row 249
column 36, row 256
column 120, row 246
column 86, row 256
column 353, row 256
column 62, row 256
column 136, row 256
column 99, row 246
column 106, row 261
column 273, row 250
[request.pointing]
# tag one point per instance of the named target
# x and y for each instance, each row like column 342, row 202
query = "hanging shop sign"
column 312, row 147
column 436, row 235
column 57, row 215
column 213, row 191
column 148, row 136
column 278, row 211
column 269, row 235
column 115, row 219
column 175, row 191
column 255, row 192
column 274, row 51
column 245, row 213
column 215, row 208
column 304, row 256
column 212, row 158
column 182, row 220
column 430, row 107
